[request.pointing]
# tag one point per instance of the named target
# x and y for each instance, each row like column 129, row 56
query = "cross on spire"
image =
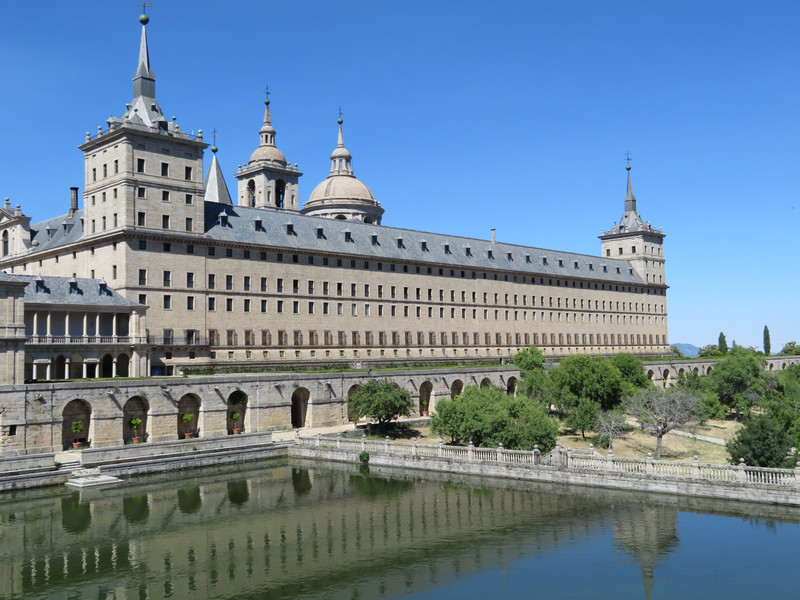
column 628, row 157
column 340, row 112
column 266, row 91
column 144, row 7
column 214, row 135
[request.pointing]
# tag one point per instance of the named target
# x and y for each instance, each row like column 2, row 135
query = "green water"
column 297, row 529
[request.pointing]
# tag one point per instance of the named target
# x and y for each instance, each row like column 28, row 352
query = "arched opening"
column 650, row 375
column 5, row 243
column 456, row 388
column 106, row 366
column 425, row 397
column 368, row 220
column 237, row 408
column 134, row 420
column 340, row 218
column 771, row 366
column 76, row 419
column 188, row 414
column 76, row 366
column 251, row 193
column 300, row 399
column 708, row 370
column 353, row 389
column 59, row 368
column 681, row 372
column 280, row 191
column 123, row 364
column 696, row 371
column 485, row 383
column 511, row 386
column 665, row 378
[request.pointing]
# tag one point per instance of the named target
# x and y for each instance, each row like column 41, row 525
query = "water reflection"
column 303, row 530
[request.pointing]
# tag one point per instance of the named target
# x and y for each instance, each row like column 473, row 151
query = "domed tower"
column 267, row 180
column 341, row 195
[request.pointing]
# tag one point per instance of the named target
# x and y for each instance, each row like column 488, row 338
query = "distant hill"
column 688, row 350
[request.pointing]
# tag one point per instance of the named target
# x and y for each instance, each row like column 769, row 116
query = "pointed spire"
column 340, row 159
column 630, row 199
column 144, row 81
column 214, row 184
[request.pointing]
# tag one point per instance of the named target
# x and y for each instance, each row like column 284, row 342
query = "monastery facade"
column 254, row 278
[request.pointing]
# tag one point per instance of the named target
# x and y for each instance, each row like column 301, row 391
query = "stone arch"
column 75, row 366
column 5, row 243
column 134, row 408
column 665, row 378
column 650, row 374
column 340, row 218
column 425, row 397
column 485, row 383
column 368, row 220
column 456, row 388
column 708, row 370
column 123, row 365
column 681, row 371
column 300, row 399
column 189, row 404
column 237, row 405
column 511, row 386
column 106, row 366
column 353, row 389
column 75, row 411
column 280, row 192
column 783, row 366
column 58, row 370
column 696, row 371
column 251, row 193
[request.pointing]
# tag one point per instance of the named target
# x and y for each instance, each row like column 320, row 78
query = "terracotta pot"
column 189, row 435
column 237, row 430
column 136, row 440
column 77, row 444
column 424, row 413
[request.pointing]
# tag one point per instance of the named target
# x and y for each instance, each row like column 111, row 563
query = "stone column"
column 114, row 367
column 114, row 327
column 66, row 325
column 84, row 332
column 35, row 323
column 49, row 316
column 97, row 325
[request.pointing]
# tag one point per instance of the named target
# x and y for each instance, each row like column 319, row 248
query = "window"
column 189, row 248
column 164, row 221
column 164, row 196
column 167, row 278
column 280, row 306
column 189, row 223
column 246, row 305
column 228, row 252
column 140, row 192
column 280, row 286
column 212, row 303
column 190, row 280
column 142, row 244
column 212, row 251
column 263, row 284
column 142, row 298
column 263, row 306
column 246, row 284
column 187, row 173
column 164, row 169
column 188, row 198
column 167, row 247
column 229, row 304
column 167, row 302
column 116, row 166
column 228, row 282
column 189, row 302
column 212, row 281
column 140, row 165
column 142, row 276
column 348, row 236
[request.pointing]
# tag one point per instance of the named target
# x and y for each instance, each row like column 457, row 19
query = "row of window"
column 420, row 338
column 140, row 168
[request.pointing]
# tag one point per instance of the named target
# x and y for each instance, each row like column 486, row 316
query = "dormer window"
column 258, row 225
column 223, row 220
column 320, row 233
column 39, row 289
column 375, row 240
column 490, row 254
column 605, row 269
column 400, row 243
column 528, row 258
column 423, row 246
column 289, row 229
column 468, row 251
column 447, row 249
column 73, row 287
column 510, row 257
column 348, row 236
column 50, row 231
column 560, row 263
column 617, row 270
column 576, row 264
column 591, row 267
column 544, row 260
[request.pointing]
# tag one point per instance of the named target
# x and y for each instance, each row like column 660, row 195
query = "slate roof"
column 56, row 290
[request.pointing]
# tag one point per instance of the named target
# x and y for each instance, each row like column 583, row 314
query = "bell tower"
column 636, row 241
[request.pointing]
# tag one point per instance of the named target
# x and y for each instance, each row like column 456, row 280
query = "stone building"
column 263, row 280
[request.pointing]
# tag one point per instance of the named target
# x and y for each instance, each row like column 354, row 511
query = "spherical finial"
column 627, row 167
column 214, row 149
column 144, row 19
column 266, row 101
column 340, row 121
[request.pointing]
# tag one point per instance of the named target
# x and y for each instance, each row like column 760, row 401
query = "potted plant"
column 186, row 418
column 235, row 416
column 424, row 409
column 77, row 428
column 135, row 423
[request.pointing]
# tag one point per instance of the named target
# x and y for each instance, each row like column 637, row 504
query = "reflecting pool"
column 300, row 529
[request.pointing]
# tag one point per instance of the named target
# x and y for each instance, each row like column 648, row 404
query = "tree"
column 783, row 403
column 581, row 376
column 382, row 401
column 762, row 442
column 632, row 370
column 790, row 349
column 738, row 380
column 610, row 425
column 691, row 381
column 525, row 425
column 583, row 416
column 723, row 344
column 710, row 351
column 659, row 411
column 676, row 352
column 767, row 343
column 529, row 361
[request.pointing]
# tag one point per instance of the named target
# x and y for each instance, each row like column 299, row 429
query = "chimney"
column 73, row 200
column 493, row 238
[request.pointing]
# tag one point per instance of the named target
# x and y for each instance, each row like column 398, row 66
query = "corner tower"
column 143, row 172
column 636, row 241
column 341, row 195
column 267, row 180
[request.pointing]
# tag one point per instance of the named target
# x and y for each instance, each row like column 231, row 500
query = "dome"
column 269, row 153
column 341, row 187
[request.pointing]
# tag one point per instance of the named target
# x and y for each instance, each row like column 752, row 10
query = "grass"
column 635, row 444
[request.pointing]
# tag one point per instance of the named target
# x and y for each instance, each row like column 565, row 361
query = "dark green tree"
column 583, row 416
column 762, row 442
column 790, row 349
column 710, row 351
column 676, row 352
column 691, row 381
column 722, row 344
column 783, row 403
column 632, row 370
column 580, row 376
column 529, row 361
column 525, row 425
column 767, row 343
column 380, row 400
column 739, row 380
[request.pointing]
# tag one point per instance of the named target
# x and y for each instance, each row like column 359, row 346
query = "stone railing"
column 87, row 339
column 569, row 460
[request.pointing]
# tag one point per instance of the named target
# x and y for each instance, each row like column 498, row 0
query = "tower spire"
column 144, row 81
column 630, row 199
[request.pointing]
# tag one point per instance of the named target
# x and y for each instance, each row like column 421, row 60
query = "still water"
column 295, row 529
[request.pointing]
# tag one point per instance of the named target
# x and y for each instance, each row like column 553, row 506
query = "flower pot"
column 136, row 440
column 237, row 430
column 424, row 413
column 189, row 435
column 77, row 444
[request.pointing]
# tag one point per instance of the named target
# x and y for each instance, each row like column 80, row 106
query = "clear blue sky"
column 465, row 115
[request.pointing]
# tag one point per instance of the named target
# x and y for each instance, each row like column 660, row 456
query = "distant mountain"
column 688, row 350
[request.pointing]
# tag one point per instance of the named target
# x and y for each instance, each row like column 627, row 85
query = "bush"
column 363, row 457
column 382, row 401
column 762, row 442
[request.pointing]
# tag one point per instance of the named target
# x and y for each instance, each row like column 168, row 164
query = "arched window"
column 280, row 190
column 251, row 193
column 5, row 243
